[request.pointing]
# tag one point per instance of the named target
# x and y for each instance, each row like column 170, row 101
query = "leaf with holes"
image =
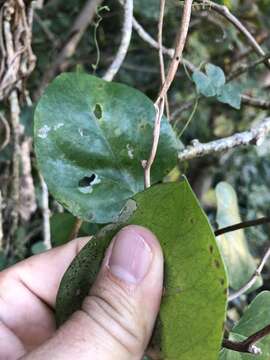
column 255, row 318
column 90, row 139
column 191, row 318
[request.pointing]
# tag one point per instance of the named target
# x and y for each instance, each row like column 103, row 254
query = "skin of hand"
column 116, row 319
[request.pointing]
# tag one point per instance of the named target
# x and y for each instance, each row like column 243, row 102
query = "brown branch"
column 225, row 12
column 258, row 103
column 252, row 279
column 254, row 136
column 180, row 44
column 145, row 36
column 75, row 230
column 243, row 225
column 243, row 68
column 160, row 53
column 159, row 104
column 125, row 41
column 248, row 346
column 80, row 25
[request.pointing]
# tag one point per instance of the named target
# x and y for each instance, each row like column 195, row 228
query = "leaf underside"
column 192, row 313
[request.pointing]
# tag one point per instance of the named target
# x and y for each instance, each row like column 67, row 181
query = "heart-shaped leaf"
column 216, row 74
column 90, row 138
column 193, row 306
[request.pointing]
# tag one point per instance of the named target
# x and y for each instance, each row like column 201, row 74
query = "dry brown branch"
column 252, row 279
column 159, row 104
column 145, row 36
column 254, row 136
column 225, row 12
column 243, row 68
column 258, row 103
column 160, row 53
column 125, row 41
column 248, row 346
column 77, row 30
column 75, row 230
column 17, row 60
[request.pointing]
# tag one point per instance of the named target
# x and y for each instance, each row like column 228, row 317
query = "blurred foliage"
column 211, row 40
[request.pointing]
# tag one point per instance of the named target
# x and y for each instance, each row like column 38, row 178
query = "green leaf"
column 62, row 225
column 216, row 75
column 203, row 83
column 38, row 248
column 193, row 306
column 233, row 245
column 90, row 138
column 230, row 94
column 255, row 318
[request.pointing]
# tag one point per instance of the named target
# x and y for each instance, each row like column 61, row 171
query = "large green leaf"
column 90, row 138
column 193, row 307
column 233, row 245
column 255, row 318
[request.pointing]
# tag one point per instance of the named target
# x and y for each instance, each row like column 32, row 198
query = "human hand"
column 116, row 319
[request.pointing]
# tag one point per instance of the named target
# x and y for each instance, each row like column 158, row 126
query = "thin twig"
column 77, row 30
column 145, row 36
column 15, row 185
column 160, row 52
column 125, row 41
column 258, row 103
column 252, row 279
column 159, row 104
column 178, row 53
column 243, row 68
column 243, row 225
column 248, row 346
column 225, row 12
column 254, row 136
column 75, row 230
column 7, row 132
column 45, row 214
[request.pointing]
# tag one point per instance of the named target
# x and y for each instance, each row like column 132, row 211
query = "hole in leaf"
column 87, row 180
column 98, row 111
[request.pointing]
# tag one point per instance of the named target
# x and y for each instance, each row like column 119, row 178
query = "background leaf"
column 233, row 245
column 204, row 85
column 90, row 138
column 193, row 306
column 255, row 318
column 215, row 74
column 230, row 94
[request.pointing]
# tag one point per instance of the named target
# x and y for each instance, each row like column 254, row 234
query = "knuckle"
column 110, row 308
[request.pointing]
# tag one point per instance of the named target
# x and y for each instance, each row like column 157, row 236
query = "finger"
column 26, row 289
column 42, row 273
column 117, row 318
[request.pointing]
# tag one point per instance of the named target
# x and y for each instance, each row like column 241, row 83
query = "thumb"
column 117, row 318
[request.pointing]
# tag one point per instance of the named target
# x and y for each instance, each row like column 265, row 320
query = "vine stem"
column 252, row 279
column 159, row 104
column 248, row 346
column 243, row 225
